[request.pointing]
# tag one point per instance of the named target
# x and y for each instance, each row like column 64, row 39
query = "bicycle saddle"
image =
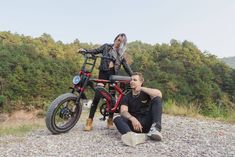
column 119, row 78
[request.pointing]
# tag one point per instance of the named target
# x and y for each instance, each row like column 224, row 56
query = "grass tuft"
column 20, row 129
column 172, row 108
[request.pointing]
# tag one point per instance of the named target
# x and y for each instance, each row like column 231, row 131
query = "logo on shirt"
column 144, row 101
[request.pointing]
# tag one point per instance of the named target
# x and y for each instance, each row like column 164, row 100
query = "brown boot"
column 88, row 126
column 110, row 123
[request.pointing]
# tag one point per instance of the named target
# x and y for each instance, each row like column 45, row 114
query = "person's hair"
column 140, row 75
column 123, row 35
column 123, row 44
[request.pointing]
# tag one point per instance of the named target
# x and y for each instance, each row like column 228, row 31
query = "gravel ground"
column 182, row 136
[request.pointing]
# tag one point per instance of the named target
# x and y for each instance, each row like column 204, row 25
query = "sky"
column 209, row 24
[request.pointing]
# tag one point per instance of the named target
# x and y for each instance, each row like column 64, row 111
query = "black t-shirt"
column 137, row 104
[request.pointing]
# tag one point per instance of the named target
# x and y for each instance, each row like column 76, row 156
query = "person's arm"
column 127, row 67
column 125, row 113
column 151, row 92
column 124, row 107
column 135, row 123
column 97, row 50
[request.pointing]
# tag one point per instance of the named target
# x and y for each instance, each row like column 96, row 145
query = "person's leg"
column 155, row 115
column 129, row 137
column 146, row 122
column 94, row 105
column 96, row 99
column 99, row 91
column 123, row 125
column 110, row 119
column 152, row 116
column 93, row 108
column 95, row 102
column 156, row 112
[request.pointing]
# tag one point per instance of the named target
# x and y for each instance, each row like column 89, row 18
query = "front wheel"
column 63, row 113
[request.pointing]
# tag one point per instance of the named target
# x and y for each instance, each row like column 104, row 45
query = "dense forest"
column 229, row 61
column 33, row 71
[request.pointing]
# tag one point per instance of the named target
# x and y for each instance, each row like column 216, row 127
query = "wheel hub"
column 65, row 113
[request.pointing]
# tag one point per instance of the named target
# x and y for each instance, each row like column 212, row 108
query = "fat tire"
column 52, row 110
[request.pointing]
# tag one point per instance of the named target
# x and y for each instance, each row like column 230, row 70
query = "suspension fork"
column 82, row 89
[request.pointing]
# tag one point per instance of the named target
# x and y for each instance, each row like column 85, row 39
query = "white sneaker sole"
column 133, row 139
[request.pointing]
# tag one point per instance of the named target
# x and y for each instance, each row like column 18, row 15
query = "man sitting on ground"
column 141, row 112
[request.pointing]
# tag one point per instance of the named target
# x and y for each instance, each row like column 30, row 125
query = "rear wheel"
column 63, row 113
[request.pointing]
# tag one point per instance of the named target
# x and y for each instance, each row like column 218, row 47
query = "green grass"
column 172, row 108
column 16, row 128
column 228, row 117
column 19, row 129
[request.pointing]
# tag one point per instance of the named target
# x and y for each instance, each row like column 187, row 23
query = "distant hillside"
column 229, row 61
column 33, row 71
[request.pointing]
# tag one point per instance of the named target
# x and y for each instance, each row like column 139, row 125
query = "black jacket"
column 104, row 65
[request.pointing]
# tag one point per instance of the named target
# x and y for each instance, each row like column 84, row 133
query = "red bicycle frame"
column 118, row 83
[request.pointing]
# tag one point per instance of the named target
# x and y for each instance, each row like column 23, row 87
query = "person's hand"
column 136, row 124
column 81, row 50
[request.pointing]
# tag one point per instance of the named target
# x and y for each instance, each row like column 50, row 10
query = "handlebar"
column 82, row 51
column 93, row 56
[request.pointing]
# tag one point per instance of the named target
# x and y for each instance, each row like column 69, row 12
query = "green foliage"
column 36, row 70
column 2, row 101
column 186, row 75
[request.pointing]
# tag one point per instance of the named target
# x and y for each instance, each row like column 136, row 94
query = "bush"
column 214, row 110
column 2, row 100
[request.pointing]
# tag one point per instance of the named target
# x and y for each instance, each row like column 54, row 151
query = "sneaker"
column 154, row 134
column 132, row 139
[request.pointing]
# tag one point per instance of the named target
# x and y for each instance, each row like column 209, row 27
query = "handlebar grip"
column 82, row 51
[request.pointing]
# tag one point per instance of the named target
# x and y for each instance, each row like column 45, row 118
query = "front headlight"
column 76, row 79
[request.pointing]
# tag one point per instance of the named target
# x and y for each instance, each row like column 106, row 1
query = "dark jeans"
column 124, row 125
column 102, row 75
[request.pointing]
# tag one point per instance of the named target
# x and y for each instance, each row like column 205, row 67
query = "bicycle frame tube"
column 87, row 68
column 108, row 98
column 86, row 62
column 116, row 87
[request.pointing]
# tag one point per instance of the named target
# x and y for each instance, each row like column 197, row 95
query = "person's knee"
column 116, row 119
column 156, row 100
